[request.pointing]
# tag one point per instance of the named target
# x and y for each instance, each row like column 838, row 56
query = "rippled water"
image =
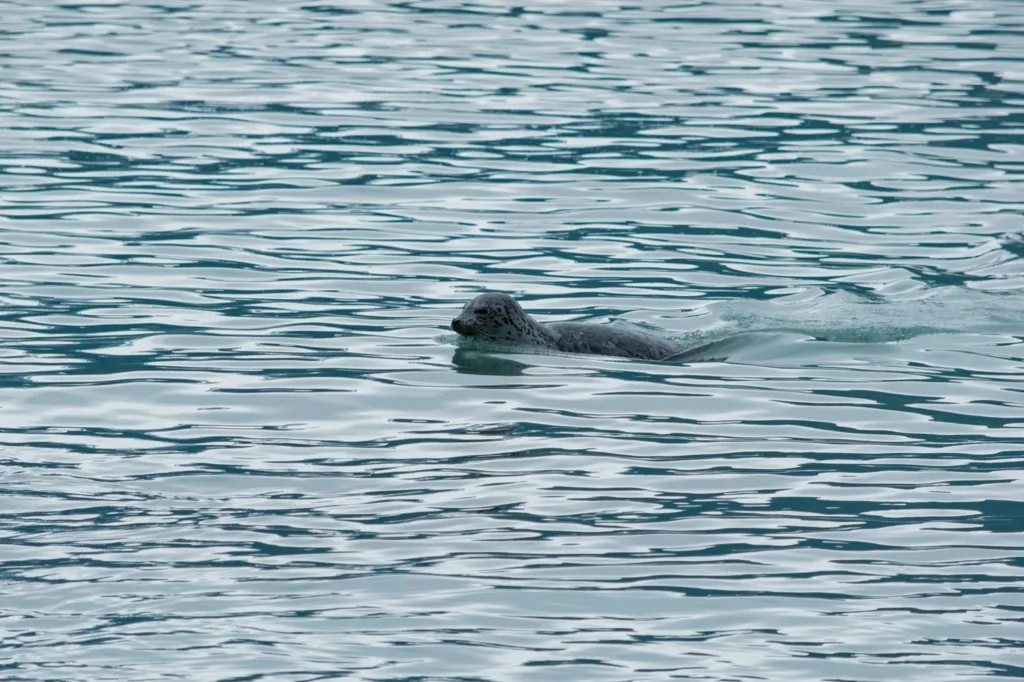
column 239, row 442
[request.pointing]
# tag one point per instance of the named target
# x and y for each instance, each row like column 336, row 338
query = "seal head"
column 500, row 317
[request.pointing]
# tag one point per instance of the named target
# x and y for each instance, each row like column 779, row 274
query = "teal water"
column 238, row 441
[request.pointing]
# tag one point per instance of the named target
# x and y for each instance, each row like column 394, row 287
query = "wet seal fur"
column 500, row 317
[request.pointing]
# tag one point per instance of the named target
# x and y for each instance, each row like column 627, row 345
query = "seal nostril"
column 456, row 325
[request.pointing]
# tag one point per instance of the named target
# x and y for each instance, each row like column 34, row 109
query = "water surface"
column 240, row 443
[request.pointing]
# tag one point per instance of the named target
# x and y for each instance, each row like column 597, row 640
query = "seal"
column 500, row 317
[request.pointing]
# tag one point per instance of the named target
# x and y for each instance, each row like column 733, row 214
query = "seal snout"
column 459, row 326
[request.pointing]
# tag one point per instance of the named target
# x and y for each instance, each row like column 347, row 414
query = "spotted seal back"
column 500, row 317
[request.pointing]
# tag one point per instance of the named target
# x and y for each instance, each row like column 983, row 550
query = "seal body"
column 500, row 317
